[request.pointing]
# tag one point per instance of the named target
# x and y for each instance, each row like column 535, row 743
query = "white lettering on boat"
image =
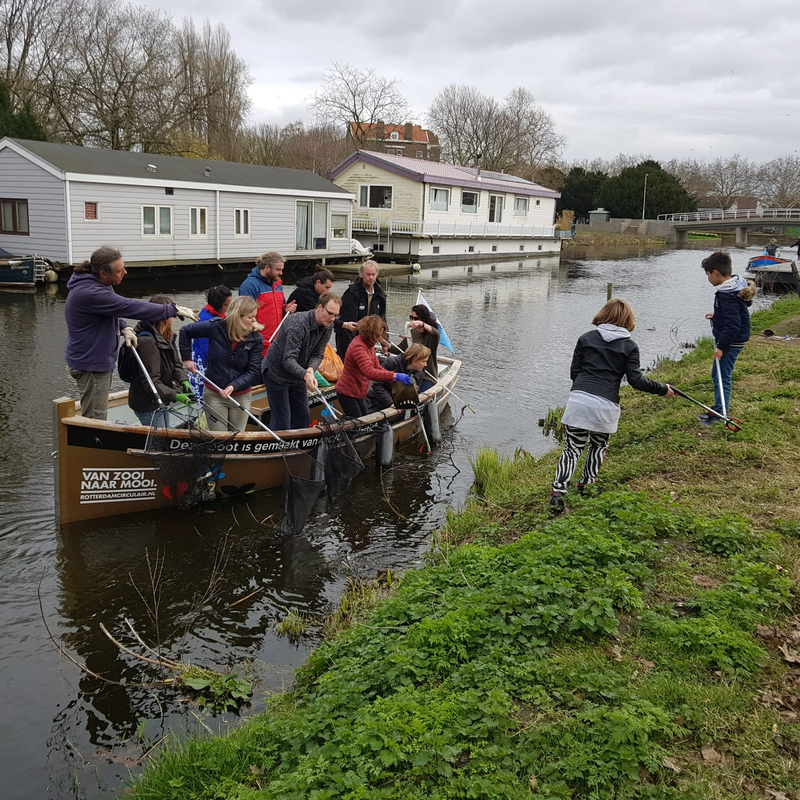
column 117, row 485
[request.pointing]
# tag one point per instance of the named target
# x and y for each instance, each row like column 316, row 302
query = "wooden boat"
column 104, row 470
column 21, row 271
column 774, row 273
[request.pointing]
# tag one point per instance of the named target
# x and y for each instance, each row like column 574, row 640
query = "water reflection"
column 514, row 324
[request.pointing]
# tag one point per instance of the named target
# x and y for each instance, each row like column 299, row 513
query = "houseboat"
column 424, row 211
column 63, row 202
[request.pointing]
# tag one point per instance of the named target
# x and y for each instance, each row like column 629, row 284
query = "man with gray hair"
column 94, row 323
column 363, row 297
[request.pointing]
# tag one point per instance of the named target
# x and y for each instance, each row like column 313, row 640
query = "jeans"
column 288, row 405
column 729, row 356
column 157, row 418
column 352, row 406
column 94, row 388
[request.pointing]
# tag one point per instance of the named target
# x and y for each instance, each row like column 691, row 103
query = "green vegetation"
column 21, row 124
column 645, row 645
column 292, row 625
column 219, row 692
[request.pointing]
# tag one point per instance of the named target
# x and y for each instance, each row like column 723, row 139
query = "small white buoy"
column 51, row 276
column 416, row 267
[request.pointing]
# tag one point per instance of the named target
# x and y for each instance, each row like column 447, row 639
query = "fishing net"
column 404, row 396
column 300, row 494
column 189, row 459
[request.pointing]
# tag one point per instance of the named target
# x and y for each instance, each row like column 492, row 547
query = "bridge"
column 718, row 219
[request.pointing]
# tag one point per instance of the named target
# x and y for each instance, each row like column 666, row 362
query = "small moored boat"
column 21, row 271
column 104, row 470
column 774, row 273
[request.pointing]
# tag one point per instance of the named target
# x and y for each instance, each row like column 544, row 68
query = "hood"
column 748, row 293
column 85, row 278
column 611, row 333
column 256, row 273
column 733, row 284
column 150, row 328
column 308, row 281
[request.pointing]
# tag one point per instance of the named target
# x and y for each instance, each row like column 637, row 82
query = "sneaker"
column 556, row 503
column 707, row 419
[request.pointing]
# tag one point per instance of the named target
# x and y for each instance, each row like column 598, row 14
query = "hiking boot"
column 556, row 503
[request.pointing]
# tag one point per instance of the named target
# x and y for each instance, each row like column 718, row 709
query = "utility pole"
column 644, row 199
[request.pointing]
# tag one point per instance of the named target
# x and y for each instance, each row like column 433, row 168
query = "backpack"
column 127, row 365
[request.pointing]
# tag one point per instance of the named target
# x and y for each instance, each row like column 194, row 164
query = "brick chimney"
column 408, row 135
column 380, row 132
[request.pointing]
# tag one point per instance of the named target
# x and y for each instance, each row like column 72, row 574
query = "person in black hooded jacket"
column 308, row 290
column 363, row 297
column 602, row 358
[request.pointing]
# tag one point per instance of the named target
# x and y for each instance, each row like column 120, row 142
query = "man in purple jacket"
column 94, row 324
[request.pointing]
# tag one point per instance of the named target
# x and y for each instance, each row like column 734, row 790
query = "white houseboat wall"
column 419, row 210
column 62, row 202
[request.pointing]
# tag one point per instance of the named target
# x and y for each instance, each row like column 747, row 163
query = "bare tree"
column 729, row 180
column 779, row 182
column 262, row 144
column 318, row 148
column 355, row 99
column 516, row 135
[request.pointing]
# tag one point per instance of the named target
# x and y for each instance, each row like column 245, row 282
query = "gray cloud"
column 684, row 78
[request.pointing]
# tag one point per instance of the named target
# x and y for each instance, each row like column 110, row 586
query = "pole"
column 275, row 332
column 609, row 291
column 644, row 199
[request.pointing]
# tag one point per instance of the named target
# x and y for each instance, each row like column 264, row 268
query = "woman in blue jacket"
column 218, row 299
column 234, row 362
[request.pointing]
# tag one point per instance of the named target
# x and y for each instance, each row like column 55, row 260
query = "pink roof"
column 448, row 174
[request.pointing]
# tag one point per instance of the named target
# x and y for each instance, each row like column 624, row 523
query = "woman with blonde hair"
column 234, row 361
column 361, row 366
column 601, row 359
column 156, row 348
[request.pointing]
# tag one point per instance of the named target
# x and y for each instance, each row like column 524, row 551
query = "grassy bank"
column 645, row 645
column 596, row 237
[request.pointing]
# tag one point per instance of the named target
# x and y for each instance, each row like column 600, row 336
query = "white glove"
column 187, row 313
column 129, row 336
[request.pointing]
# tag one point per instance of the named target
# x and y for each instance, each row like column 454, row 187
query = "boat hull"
column 104, row 470
column 15, row 272
column 780, row 274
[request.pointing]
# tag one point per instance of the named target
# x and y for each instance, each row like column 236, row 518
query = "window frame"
column 369, row 187
column 335, row 228
column 394, row 136
column 477, row 201
column 245, row 215
column 527, row 202
column 15, row 230
column 157, row 209
column 502, row 199
column 433, row 189
column 202, row 217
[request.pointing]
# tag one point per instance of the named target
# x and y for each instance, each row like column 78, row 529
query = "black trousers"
column 353, row 407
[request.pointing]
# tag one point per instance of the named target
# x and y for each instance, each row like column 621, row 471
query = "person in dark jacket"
column 771, row 248
column 94, row 323
column 423, row 330
column 730, row 325
column 363, row 297
column 218, row 299
column 156, row 348
column 308, row 290
column 290, row 364
column 234, row 356
column 602, row 358
column 413, row 361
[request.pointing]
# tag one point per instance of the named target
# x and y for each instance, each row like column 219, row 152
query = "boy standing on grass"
column 730, row 324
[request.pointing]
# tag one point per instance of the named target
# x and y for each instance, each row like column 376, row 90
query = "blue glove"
column 403, row 378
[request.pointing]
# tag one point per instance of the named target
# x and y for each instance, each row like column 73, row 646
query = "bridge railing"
column 719, row 214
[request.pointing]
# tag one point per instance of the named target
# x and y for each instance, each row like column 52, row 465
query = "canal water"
column 65, row 733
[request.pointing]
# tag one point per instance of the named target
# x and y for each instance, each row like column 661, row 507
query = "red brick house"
column 411, row 141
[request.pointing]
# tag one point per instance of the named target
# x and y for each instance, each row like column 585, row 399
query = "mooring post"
column 609, row 291
column 796, row 277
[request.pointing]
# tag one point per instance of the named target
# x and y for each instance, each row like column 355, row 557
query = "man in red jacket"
column 264, row 285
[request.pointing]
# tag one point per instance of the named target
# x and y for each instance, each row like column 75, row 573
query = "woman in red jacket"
column 361, row 366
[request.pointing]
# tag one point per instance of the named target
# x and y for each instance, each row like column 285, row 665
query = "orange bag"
column 331, row 366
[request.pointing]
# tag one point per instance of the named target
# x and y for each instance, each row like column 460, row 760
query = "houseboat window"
column 148, row 220
column 374, row 196
column 90, row 210
column 339, row 226
column 320, row 225
column 440, row 199
column 394, row 136
column 469, row 202
column 495, row 208
column 198, row 222
column 520, row 206
column 14, row 217
column 241, row 222
column 165, row 220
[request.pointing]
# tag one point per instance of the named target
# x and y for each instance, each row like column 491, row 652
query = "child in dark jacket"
column 730, row 324
column 600, row 361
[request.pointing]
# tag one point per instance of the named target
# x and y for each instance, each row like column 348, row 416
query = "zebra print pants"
column 575, row 441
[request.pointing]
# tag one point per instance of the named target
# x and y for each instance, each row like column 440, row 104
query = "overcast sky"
column 700, row 78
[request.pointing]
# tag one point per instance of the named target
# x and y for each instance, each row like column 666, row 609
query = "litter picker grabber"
column 450, row 391
column 731, row 423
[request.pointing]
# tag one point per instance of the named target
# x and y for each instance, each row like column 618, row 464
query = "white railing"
column 486, row 230
column 365, row 225
column 720, row 215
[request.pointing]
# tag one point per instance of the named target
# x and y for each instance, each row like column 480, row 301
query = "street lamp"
column 644, row 199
